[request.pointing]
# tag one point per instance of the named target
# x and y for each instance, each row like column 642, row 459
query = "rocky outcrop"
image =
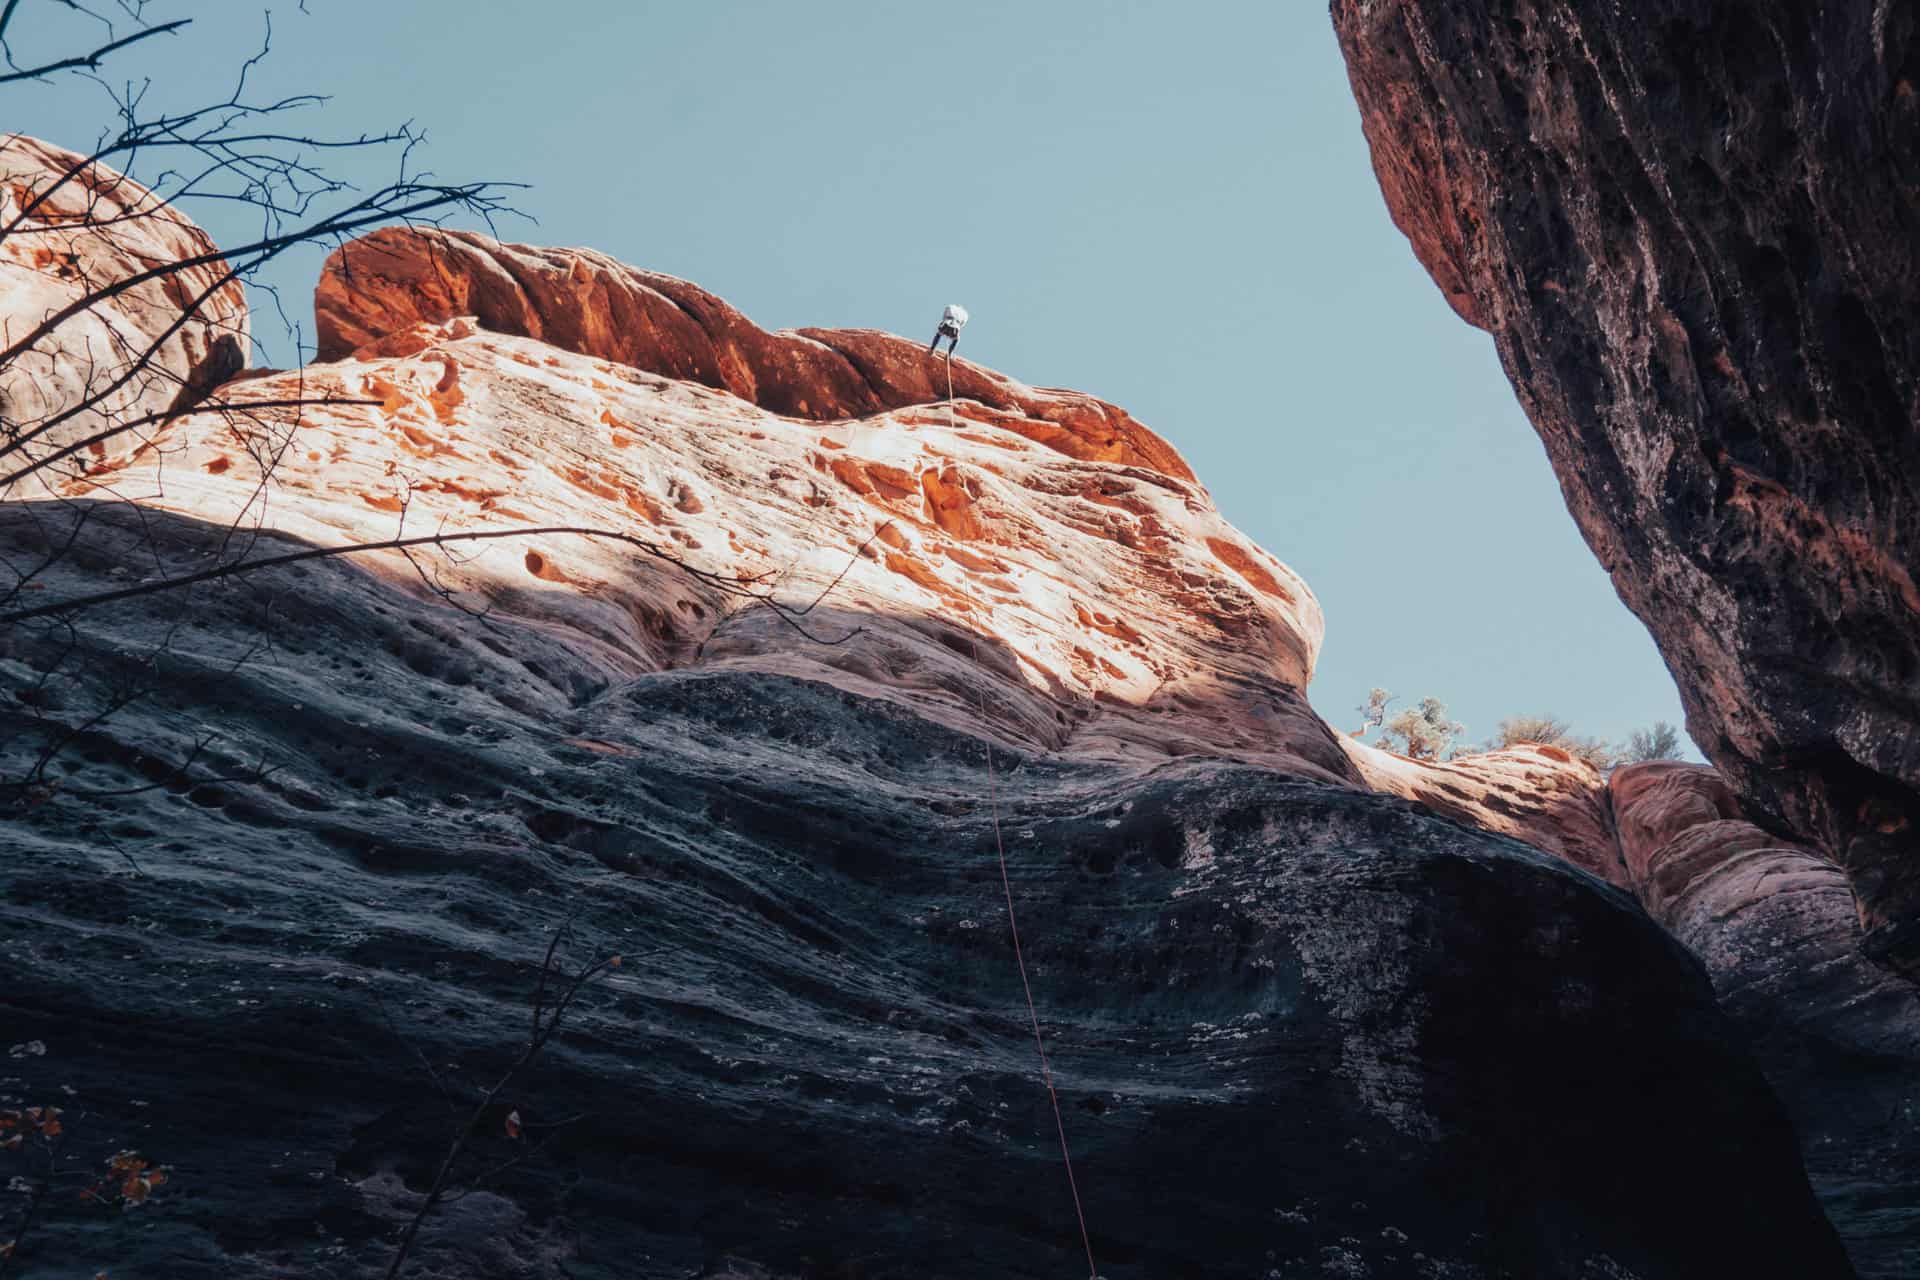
column 1838, row 1036
column 71, row 232
column 1293, row 1026
column 1773, row 922
column 1539, row 794
column 1691, row 229
column 961, row 569
column 586, row 302
column 264, row 918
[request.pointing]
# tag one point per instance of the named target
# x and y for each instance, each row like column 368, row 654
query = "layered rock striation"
column 1540, row 794
column 1691, row 229
column 944, row 561
column 291, row 845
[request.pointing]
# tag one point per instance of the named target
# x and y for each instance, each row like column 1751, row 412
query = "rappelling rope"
column 1013, row 926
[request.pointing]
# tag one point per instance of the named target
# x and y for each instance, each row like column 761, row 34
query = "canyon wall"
column 757, row 708
column 1693, row 229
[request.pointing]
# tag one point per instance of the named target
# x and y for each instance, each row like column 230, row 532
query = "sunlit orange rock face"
column 590, row 304
column 998, row 562
column 68, row 230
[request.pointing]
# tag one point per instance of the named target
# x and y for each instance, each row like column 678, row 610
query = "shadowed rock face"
column 1838, row 1036
column 1296, row 1026
column 1693, row 229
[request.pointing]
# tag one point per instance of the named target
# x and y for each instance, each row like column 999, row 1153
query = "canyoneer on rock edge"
column 952, row 320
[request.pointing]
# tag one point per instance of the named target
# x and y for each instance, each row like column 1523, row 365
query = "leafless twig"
column 554, row 993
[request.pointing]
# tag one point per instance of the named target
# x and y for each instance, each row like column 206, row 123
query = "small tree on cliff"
column 1661, row 742
column 1373, row 712
column 1422, row 732
column 1551, row 731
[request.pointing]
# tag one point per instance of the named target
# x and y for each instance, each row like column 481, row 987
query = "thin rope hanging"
column 1013, row 926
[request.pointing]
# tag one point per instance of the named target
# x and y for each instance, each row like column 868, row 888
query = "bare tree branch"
column 88, row 60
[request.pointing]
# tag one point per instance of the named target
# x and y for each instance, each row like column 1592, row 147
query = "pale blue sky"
column 1166, row 204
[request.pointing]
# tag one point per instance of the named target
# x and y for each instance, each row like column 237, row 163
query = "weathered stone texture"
column 1693, row 229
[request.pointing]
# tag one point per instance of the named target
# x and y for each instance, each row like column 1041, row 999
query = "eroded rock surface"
column 263, row 918
column 586, row 302
column 1538, row 794
column 1693, row 230
column 1775, row 925
column 68, row 231
column 1120, row 614
column 1294, row 1026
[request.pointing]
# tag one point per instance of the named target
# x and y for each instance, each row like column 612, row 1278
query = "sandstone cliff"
column 1693, row 230
column 265, row 915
